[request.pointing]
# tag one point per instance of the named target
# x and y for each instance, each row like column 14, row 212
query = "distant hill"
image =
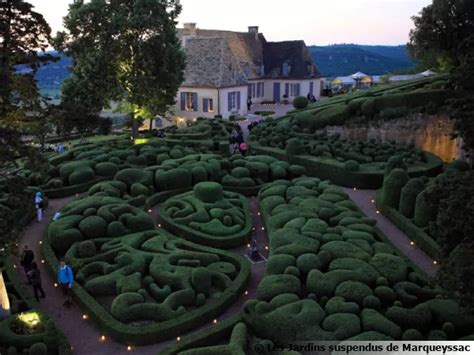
column 346, row 59
column 334, row 60
column 51, row 76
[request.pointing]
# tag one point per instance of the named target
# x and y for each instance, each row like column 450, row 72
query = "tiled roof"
column 225, row 58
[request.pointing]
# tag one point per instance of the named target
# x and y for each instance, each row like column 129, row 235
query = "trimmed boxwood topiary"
column 392, row 187
column 351, row 165
column 300, row 102
column 294, row 146
column 408, row 196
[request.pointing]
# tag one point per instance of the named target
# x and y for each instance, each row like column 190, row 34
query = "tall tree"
column 443, row 38
column 125, row 51
column 440, row 31
column 23, row 33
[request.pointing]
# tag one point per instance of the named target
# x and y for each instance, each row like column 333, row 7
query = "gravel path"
column 84, row 336
column 365, row 200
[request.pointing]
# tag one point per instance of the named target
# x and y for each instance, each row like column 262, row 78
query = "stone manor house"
column 225, row 68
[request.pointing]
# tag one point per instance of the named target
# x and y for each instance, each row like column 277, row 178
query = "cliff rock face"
column 430, row 133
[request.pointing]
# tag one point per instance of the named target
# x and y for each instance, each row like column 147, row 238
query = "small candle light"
column 84, row 316
column 248, row 245
column 102, row 338
column 435, row 262
column 178, row 338
column 129, row 348
column 266, row 247
column 40, row 242
column 412, row 243
column 150, row 210
column 55, row 285
column 214, row 321
column 246, row 293
column 159, row 225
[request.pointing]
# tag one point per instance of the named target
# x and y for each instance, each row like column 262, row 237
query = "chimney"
column 254, row 29
column 190, row 28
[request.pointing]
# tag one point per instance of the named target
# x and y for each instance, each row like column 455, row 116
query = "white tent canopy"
column 428, row 73
column 359, row 75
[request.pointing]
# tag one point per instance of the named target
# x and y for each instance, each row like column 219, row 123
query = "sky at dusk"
column 319, row 22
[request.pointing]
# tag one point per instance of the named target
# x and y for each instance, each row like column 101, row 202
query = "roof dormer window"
column 286, row 69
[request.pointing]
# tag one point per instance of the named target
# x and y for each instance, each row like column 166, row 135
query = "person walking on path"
column 249, row 104
column 35, row 277
column 65, row 280
column 26, row 261
column 39, row 206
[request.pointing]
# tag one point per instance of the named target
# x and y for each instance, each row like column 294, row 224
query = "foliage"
column 134, row 57
column 23, row 33
column 300, row 102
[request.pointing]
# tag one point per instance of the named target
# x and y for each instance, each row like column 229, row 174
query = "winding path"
column 365, row 200
column 83, row 335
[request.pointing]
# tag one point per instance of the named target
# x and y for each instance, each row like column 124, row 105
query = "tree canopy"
column 24, row 33
column 124, row 51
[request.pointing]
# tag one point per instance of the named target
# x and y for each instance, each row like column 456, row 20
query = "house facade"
column 224, row 68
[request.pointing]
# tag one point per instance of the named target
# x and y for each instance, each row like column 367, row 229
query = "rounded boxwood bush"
column 201, row 280
column 353, row 291
column 295, row 147
column 240, row 172
column 81, row 176
column 38, row 349
column 395, row 162
column 392, row 187
column 93, row 227
column 106, row 169
column 300, row 102
column 425, row 211
column 408, row 196
column 116, row 229
column 138, row 189
column 209, row 191
column 87, row 249
column 351, row 165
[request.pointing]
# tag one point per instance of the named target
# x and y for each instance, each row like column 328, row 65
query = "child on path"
column 39, row 206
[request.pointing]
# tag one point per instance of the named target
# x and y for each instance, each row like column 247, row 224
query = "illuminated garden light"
column 102, row 338
column 355, row 188
column 435, row 262
column 55, row 285
column 263, row 228
column 266, row 247
column 412, row 243
column 42, row 261
column 378, row 212
column 129, row 348
column 150, row 210
column 246, row 293
column 40, row 242
column 178, row 338
column 84, row 316
column 248, row 245
column 373, row 201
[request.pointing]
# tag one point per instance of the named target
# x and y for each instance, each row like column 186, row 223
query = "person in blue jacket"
column 65, row 281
